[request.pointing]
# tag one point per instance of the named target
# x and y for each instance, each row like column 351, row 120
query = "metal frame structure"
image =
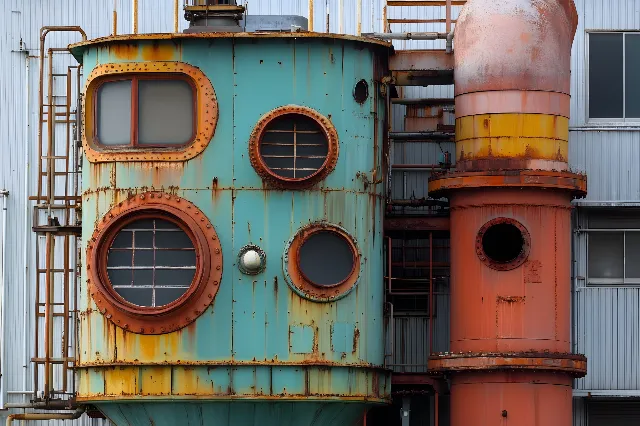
column 56, row 221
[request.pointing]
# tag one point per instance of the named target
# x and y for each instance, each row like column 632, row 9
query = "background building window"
column 613, row 254
column 145, row 112
column 614, row 67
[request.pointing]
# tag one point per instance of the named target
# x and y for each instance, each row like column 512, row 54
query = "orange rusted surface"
column 510, row 203
column 511, row 398
column 205, row 284
column 157, row 52
column 512, row 101
column 558, row 362
column 517, row 310
column 565, row 181
column 206, row 112
column 534, row 49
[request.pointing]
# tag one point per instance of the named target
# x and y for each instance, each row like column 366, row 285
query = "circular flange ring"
column 203, row 288
column 512, row 264
column 275, row 180
column 297, row 280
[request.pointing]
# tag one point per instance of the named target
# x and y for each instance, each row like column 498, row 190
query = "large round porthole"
column 293, row 147
column 154, row 263
column 503, row 244
column 322, row 262
column 151, row 262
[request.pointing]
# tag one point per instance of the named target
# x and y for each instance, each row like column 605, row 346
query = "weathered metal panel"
column 259, row 339
column 610, row 159
column 606, row 327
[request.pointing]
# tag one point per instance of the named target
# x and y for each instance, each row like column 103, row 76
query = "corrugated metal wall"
column 605, row 318
column 609, row 157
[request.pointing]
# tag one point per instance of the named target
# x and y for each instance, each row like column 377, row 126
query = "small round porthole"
column 322, row 262
column 361, row 91
column 154, row 263
column 503, row 244
column 293, row 147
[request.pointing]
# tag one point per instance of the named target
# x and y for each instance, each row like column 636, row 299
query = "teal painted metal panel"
column 301, row 337
column 258, row 339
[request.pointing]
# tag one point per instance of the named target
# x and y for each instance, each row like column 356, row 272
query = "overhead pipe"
column 46, row 416
column 410, row 36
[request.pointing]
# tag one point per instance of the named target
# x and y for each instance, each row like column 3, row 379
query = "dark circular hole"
column 361, row 91
column 502, row 242
column 325, row 258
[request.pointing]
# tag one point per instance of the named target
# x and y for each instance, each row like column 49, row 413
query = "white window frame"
column 622, row 122
column 617, row 282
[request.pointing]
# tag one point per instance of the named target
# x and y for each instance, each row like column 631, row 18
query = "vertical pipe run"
column 448, row 12
column 430, row 294
column 3, row 300
column 359, row 17
column 115, row 17
column 341, row 17
column 310, row 15
column 48, row 326
column 175, row 16
column 134, row 10
column 25, row 251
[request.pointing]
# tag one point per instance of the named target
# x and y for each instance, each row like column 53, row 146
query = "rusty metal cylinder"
column 523, row 305
column 512, row 78
column 510, row 200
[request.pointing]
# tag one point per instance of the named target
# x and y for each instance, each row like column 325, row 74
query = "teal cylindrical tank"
column 232, row 226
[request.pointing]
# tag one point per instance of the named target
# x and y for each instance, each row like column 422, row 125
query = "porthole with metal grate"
column 294, row 146
column 151, row 262
column 154, row 263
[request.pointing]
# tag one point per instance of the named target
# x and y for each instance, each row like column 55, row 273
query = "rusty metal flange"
column 206, row 110
column 272, row 178
column 512, row 264
column 575, row 365
column 206, row 281
column 300, row 284
column 442, row 184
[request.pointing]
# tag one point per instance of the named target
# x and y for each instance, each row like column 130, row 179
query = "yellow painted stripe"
column 516, row 147
column 514, row 126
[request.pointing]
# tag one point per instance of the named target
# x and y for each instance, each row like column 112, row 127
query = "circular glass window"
column 326, row 258
column 151, row 262
column 294, row 146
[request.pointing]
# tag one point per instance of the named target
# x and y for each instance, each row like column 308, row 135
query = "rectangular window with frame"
column 613, row 249
column 145, row 111
column 614, row 67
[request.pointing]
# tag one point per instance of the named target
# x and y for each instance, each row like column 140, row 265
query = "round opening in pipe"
column 503, row 244
column 361, row 91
